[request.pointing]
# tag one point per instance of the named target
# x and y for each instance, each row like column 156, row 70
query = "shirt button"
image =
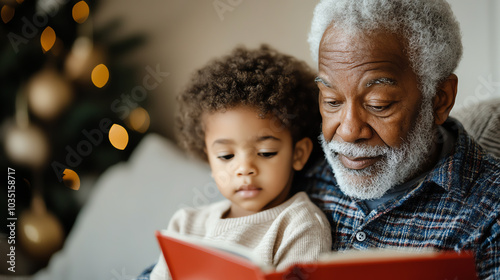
column 360, row 236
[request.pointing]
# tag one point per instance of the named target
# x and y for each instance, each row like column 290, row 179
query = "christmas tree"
column 61, row 82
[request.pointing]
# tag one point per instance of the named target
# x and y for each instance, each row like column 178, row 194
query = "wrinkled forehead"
column 351, row 49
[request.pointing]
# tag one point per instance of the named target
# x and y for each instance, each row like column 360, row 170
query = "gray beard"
column 395, row 166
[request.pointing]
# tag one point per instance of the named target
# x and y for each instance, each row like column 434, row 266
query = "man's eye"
column 226, row 157
column 333, row 104
column 268, row 154
column 378, row 108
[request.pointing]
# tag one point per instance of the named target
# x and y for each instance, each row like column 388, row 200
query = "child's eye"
column 268, row 154
column 226, row 157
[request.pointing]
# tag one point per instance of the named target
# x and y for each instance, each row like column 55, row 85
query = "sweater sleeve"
column 306, row 234
column 160, row 270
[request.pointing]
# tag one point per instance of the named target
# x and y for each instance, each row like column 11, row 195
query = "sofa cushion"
column 482, row 121
column 113, row 236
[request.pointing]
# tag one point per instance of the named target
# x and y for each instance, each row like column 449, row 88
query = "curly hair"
column 273, row 83
column 431, row 32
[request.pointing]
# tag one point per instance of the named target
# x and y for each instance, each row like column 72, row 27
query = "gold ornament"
column 27, row 146
column 49, row 94
column 40, row 232
column 82, row 59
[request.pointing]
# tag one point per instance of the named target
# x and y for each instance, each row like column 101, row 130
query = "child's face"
column 252, row 159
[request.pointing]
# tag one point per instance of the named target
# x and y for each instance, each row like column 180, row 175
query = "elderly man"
column 398, row 172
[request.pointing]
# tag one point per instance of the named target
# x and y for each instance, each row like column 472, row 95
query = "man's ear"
column 301, row 153
column 445, row 99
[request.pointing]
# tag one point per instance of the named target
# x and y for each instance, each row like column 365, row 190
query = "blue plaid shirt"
column 456, row 207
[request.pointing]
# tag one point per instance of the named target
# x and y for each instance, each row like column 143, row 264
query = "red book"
column 195, row 259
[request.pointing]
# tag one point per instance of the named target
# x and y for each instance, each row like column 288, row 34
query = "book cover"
column 194, row 259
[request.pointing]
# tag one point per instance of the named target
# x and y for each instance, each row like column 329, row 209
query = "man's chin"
column 362, row 192
column 362, row 186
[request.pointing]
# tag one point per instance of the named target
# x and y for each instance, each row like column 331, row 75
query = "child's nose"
column 246, row 167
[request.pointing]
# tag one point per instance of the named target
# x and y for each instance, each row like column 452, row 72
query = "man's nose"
column 353, row 126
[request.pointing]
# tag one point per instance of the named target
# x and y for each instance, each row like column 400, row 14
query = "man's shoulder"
column 472, row 177
column 470, row 163
column 491, row 169
column 478, row 169
column 486, row 183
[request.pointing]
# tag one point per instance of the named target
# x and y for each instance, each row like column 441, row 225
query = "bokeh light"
column 80, row 12
column 118, row 136
column 58, row 47
column 32, row 233
column 7, row 13
column 48, row 38
column 71, row 179
column 139, row 120
column 100, row 75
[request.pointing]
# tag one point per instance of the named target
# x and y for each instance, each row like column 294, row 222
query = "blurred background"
column 83, row 82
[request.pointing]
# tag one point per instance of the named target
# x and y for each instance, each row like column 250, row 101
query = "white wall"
column 184, row 35
column 479, row 70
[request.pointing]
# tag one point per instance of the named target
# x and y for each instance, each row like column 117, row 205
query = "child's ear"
column 301, row 153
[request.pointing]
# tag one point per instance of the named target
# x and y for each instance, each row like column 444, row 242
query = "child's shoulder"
column 302, row 210
column 305, row 221
column 198, row 214
column 205, row 209
column 301, row 199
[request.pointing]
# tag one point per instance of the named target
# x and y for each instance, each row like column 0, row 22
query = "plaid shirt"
column 456, row 207
column 145, row 275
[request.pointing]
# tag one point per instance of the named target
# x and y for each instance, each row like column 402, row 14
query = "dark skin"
column 369, row 93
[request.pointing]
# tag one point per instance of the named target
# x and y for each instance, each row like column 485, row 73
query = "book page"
column 374, row 255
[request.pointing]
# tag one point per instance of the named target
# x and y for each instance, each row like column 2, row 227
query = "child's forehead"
column 243, row 124
column 253, row 110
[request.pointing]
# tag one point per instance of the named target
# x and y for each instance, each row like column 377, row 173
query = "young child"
column 252, row 116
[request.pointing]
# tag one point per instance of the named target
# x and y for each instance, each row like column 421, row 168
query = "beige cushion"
column 482, row 122
column 113, row 236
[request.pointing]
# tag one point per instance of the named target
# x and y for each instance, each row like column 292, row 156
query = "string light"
column 71, row 179
column 118, row 136
column 100, row 75
column 48, row 38
column 7, row 13
column 80, row 12
column 139, row 120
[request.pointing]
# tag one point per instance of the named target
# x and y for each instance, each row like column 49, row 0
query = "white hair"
column 429, row 28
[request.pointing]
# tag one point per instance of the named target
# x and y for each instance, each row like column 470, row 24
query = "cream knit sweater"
column 295, row 231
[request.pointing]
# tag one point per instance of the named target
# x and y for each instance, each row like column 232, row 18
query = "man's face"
column 376, row 131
